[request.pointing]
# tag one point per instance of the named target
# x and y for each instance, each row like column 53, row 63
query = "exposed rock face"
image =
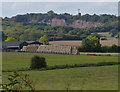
column 57, row 22
column 84, row 24
column 75, row 24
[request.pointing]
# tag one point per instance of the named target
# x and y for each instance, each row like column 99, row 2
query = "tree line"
column 92, row 44
column 40, row 17
column 32, row 26
column 33, row 31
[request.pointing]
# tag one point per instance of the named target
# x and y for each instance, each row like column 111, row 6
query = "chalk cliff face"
column 57, row 22
column 84, row 24
column 75, row 24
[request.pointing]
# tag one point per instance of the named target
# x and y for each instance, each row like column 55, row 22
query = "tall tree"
column 91, row 44
column 44, row 40
column 10, row 39
column 2, row 36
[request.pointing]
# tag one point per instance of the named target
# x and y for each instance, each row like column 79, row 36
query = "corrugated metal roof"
column 10, row 43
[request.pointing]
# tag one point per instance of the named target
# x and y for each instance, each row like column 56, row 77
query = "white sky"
column 59, row 0
column 10, row 8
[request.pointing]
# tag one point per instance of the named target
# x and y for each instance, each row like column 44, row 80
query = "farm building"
column 57, row 49
column 16, row 45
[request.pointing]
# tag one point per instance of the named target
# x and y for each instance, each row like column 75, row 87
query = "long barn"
column 51, row 49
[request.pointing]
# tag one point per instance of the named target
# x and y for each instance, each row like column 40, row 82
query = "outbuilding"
column 16, row 45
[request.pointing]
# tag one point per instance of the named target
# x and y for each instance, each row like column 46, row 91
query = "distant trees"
column 114, row 32
column 118, row 35
column 38, row 17
column 24, row 37
column 21, row 18
column 10, row 39
column 32, row 26
column 50, row 12
column 113, row 48
column 4, row 37
column 91, row 44
column 44, row 40
column 33, row 31
column 96, row 35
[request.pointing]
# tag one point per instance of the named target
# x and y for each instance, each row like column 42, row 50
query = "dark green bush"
column 113, row 48
column 38, row 62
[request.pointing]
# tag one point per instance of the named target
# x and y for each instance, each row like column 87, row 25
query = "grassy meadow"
column 104, row 34
column 21, row 60
column 86, row 78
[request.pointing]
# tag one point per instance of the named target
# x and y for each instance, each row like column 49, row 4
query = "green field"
column 98, row 53
column 17, row 60
column 104, row 34
column 95, row 78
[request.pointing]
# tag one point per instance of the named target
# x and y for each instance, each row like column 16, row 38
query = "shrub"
column 38, row 62
column 113, row 48
column 10, row 39
column 92, row 54
column 17, row 82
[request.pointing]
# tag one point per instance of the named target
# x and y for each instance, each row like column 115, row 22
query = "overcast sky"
column 10, row 9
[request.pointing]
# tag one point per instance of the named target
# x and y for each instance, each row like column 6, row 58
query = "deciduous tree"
column 91, row 44
column 10, row 39
column 44, row 40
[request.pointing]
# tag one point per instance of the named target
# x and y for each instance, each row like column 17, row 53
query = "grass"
column 104, row 34
column 18, row 60
column 94, row 78
column 113, row 54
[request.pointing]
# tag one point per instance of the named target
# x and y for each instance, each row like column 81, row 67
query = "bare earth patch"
column 71, row 43
column 109, row 42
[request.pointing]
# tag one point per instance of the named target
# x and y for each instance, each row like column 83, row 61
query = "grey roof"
column 10, row 43
column 16, row 43
column 30, row 41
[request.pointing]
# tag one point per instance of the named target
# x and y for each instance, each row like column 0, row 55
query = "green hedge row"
column 113, row 48
column 79, row 65
column 69, row 66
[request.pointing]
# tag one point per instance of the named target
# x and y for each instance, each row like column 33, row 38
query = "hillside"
column 65, row 19
column 58, row 26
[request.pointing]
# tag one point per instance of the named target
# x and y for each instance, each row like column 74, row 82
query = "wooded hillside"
column 58, row 26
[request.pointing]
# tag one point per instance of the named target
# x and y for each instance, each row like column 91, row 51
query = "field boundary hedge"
column 69, row 66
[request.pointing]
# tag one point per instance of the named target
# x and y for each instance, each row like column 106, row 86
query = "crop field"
column 108, row 42
column 81, row 78
column 104, row 34
column 71, row 43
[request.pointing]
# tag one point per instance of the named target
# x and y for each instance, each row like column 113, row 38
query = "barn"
column 16, row 45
